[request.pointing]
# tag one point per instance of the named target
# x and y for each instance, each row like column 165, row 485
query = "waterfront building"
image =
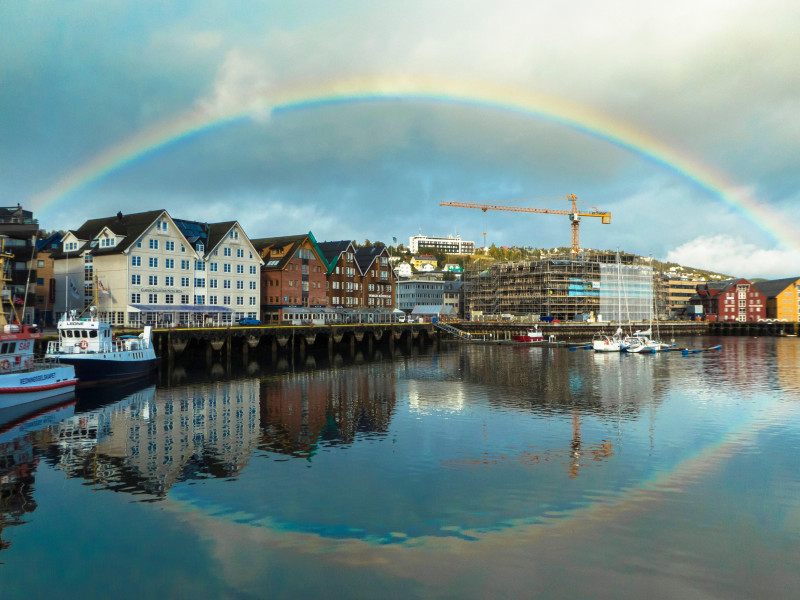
column 45, row 289
column 678, row 291
column 421, row 290
column 560, row 286
column 20, row 229
column 148, row 268
column 403, row 269
column 344, row 289
column 448, row 245
column 732, row 300
column 783, row 298
column 293, row 275
column 377, row 276
column 453, row 297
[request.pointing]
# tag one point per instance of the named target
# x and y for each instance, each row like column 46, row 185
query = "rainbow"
column 416, row 89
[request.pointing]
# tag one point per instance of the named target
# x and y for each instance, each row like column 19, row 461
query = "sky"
column 355, row 120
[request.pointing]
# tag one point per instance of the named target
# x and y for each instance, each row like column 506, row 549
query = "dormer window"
column 70, row 246
column 200, row 247
column 233, row 234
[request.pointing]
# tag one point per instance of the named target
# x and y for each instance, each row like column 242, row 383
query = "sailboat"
column 641, row 342
column 616, row 342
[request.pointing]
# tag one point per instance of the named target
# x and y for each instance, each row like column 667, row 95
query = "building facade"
column 732, row 300
column 293, row 275
column 783, row 298
column 448, row 245
column 419, row 291
column 378, row 279
column 20, row 230
column 148, row 268
column 344, row 286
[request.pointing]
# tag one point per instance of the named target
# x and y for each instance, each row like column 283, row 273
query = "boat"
column 609, row 343
column 529, row 337
column 23, row 379
column 88, row 344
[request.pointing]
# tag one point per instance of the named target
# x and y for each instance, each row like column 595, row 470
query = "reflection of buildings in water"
column 330, row 406
column 153, row 438
column 19, row 436
column 787, row 352
column 427, row 397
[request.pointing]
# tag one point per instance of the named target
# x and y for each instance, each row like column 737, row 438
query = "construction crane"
column 574, row 215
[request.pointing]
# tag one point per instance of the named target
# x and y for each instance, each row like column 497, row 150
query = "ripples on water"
column 663, row 461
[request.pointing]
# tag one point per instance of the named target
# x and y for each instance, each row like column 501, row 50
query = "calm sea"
column 457, row 471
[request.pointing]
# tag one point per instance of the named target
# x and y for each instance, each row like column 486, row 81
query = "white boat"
column 98, row 356
column 609, row 343
column 24, row 379
column 640, row 343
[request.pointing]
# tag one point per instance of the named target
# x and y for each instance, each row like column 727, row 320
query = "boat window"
column 93, row 333
column 83, row 333
column 67, row 333
column 4, row 348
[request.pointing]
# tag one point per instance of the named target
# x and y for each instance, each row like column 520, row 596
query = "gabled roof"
column 264, row 245
column 51, row 243
column 130, row 226
column 217, row 233
column 366, row 255
column 333, row 250
column 772, row 288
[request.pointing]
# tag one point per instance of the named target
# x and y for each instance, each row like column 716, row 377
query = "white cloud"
column 732, row 256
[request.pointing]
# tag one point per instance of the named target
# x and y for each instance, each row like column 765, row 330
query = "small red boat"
column 532, row 335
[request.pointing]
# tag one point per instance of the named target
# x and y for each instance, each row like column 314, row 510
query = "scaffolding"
column 558, row 286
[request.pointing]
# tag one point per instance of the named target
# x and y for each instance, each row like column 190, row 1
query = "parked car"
column 248, row 322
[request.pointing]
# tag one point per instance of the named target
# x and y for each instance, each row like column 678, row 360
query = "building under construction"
column 603, row 285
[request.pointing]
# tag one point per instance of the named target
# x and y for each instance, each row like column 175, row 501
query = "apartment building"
column 732, row 300
column 448, row 245
column 293, row 275
column 377, row 276
column 344, row 278
column 148, row 268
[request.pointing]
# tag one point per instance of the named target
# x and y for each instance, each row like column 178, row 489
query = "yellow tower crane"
column 574, row 215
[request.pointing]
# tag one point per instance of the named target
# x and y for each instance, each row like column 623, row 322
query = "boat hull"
column 32, row 386
column 92, row 370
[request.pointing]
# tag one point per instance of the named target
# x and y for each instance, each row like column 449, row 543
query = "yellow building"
column 783, row 298
column 424, row 262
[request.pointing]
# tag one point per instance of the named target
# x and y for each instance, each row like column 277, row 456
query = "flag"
column 395, row 239
column 18, row 301
column 73, row 290
column 102, row 287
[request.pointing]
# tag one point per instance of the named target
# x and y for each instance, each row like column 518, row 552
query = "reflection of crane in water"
column 596, row 452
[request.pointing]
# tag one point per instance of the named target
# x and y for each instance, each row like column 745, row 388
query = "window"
column 136, row 298
column 153, row 261
column 199, row 265
column 153, row 244
column 200, row 247
column 39, row 264
column 252, row 269
column 240, row 285
column 170, row 245
column 239, row 301
column 240, row 269
column 252, row 300
column 226, row 267
column 136, row 279
column 212, row 300
column 168, row 299
column 226, row 283
column 239, row 253
column 185, row 265
column 233, row 234
column 252, row 285
column 212, row 267
column 163, row 225
column 169, row 280
column 152, row 298
column 226, row 252
column 212, row 283
column 184, row 298
column 199, row 282
column 169, row 263
column 70, row 246
column 136, row 261
column 200, row 299
column 152, row 280
column 226, row 300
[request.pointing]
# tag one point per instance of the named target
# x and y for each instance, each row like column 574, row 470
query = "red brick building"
column 344, row 277
column 377, row 277
column 732, row 300
column 294, row 275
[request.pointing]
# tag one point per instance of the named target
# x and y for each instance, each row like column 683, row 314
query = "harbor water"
column 448, row 471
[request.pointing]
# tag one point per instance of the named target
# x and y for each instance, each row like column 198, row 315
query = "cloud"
column 730, row 255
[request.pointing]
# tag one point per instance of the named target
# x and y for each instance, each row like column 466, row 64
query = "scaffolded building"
column 563, row 287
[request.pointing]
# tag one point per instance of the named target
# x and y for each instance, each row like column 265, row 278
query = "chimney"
column 119, row 216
